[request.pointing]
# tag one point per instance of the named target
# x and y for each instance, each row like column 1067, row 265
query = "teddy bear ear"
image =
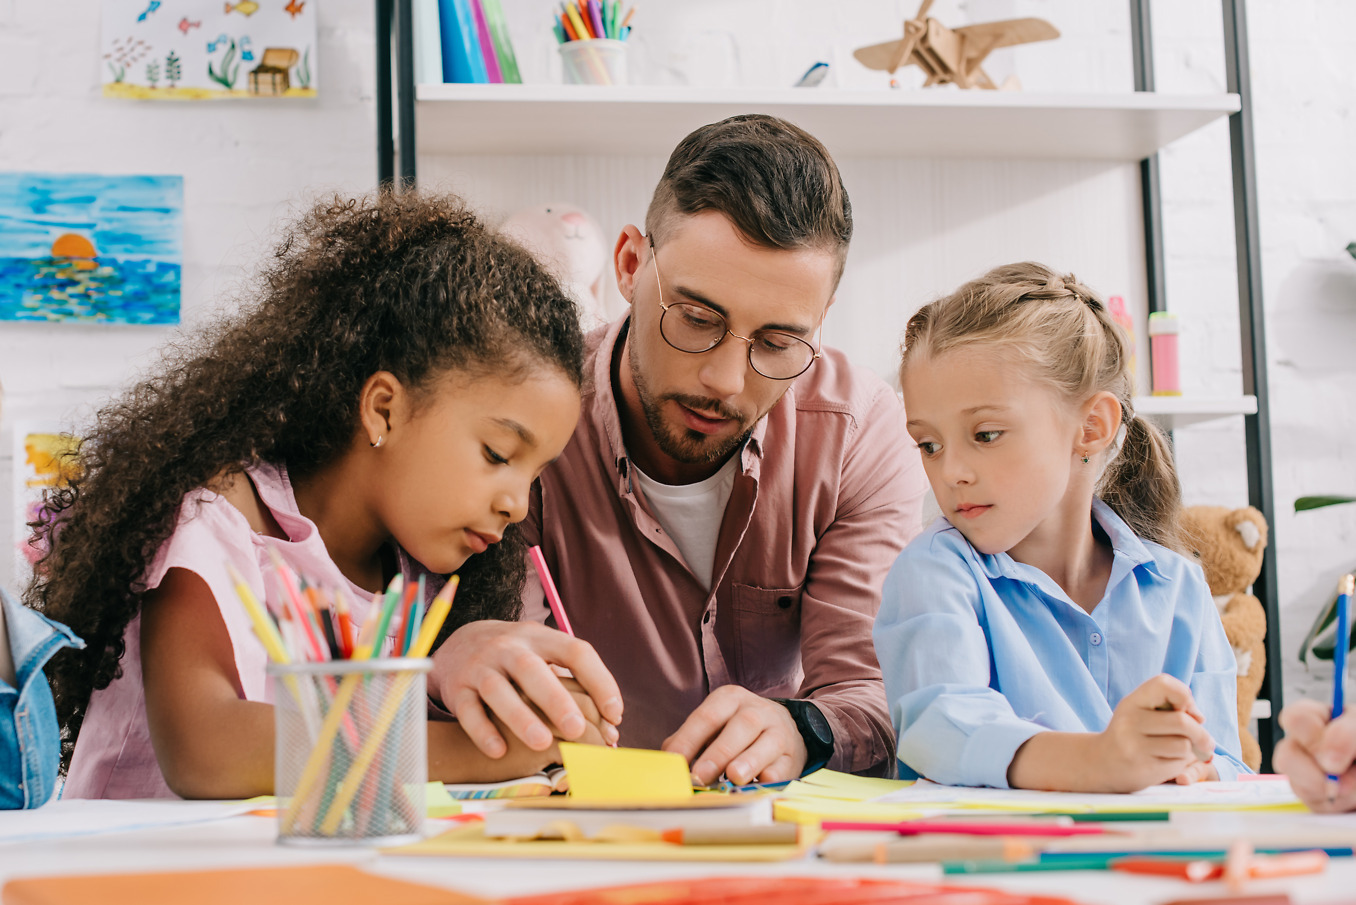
column 1251, row 527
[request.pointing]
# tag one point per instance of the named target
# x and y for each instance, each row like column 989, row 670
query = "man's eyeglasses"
column 696, row 329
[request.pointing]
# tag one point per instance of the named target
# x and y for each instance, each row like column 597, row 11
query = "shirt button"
column 1095, row 638
column 784, row 602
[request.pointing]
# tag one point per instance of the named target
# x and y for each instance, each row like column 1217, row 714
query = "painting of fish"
column 200, row 50
column 91, row 249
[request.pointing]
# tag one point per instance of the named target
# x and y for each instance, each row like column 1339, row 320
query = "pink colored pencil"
column 552, row 595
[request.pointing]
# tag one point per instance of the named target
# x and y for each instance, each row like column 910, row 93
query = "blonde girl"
column 1047, row 631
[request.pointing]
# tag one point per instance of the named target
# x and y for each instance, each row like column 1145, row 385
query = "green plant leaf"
column 1351, row 249
column 1306, row 503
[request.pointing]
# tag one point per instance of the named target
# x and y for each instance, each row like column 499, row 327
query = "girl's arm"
column 934, row 656
column 212, row 743
column 1155, row 734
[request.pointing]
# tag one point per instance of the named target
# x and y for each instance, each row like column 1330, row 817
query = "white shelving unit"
column 588, row 119
column 1173, row 412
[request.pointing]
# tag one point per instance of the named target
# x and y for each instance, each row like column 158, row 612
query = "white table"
column 248, row 841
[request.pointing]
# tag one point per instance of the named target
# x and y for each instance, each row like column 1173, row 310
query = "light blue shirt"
column 982, row 652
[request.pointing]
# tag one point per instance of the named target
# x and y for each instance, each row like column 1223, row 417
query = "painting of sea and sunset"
column 90, row 248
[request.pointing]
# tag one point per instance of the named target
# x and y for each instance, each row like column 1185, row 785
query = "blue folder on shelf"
column 463, row 60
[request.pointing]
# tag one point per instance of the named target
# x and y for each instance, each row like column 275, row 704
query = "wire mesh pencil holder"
column 351, row 758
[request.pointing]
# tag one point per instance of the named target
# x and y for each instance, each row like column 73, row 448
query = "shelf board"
column 1173, row 412
column 590, row 119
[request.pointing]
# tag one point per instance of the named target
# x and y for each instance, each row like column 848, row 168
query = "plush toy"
column 570, row 244
column 1229, row 545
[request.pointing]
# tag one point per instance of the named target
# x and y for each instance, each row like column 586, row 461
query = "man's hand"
column 1314, row 746
column 504, row 667
column 737, row 733
column 1155, row 736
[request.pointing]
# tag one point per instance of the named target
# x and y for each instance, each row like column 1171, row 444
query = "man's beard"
column 684, row 444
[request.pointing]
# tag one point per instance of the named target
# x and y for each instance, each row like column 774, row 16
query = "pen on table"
column 549, row 587
column 1237, row 864
column 774, row 834
column 1339, row 660
column 1198, row 870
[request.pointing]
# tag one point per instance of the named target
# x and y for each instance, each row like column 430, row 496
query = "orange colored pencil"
column 629, row 13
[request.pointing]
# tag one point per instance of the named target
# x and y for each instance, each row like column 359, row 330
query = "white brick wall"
column 245, row 163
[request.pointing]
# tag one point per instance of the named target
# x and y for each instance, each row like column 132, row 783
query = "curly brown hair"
column 412, row 284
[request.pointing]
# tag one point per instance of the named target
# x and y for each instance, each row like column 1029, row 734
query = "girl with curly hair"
column 384, row 407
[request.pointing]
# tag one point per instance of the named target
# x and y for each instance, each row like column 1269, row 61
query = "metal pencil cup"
column 351, row 757
column 596, row 61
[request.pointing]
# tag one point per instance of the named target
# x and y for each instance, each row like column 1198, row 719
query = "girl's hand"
column 1155, row 736
column 1198, row 772
column 497, row 668
column 1314, row 746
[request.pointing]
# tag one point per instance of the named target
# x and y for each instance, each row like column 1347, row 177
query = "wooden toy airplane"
column 952, row 54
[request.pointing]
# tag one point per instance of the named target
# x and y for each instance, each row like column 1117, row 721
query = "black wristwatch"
column 814, row 729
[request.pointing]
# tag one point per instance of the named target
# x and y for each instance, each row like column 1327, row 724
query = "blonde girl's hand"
column 1198, row 772
column 1155, row 735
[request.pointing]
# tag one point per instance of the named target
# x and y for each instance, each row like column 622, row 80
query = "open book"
column 548, row 782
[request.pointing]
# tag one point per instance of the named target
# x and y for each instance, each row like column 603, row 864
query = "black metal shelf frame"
column 395, row 55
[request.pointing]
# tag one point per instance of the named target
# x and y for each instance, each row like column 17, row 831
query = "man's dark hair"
column 775, row 182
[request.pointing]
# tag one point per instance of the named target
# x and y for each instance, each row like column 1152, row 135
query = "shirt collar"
column 1128, row 550
column 607, row 416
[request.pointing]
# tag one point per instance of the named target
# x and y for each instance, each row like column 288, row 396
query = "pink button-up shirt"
column 829, row 490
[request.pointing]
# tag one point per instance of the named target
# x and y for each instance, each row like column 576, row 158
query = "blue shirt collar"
column 1128, row 549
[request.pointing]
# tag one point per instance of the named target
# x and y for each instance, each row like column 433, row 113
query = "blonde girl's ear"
column 1101, row 423
column 380, row 405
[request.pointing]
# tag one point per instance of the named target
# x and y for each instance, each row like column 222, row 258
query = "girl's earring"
column 382, row 439
column 1085, row 455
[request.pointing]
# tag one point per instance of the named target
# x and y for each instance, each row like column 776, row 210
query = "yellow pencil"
column 263, row 625
column 428, row 632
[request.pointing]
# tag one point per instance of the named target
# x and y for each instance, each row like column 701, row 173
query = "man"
column 721, row 523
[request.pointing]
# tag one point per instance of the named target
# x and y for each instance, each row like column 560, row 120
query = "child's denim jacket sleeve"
column 30, row 741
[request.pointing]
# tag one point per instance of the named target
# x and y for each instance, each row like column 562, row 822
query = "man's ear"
column 1101, row 422
column 628, row 258
column 382, row 405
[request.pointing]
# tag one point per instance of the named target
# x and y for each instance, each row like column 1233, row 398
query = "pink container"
column 1163, row 330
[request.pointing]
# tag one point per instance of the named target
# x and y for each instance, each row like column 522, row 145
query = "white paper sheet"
column 88, row 817
column 1252, row 794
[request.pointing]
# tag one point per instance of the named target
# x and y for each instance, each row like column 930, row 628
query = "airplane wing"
column 878, row 56
column 987, row 36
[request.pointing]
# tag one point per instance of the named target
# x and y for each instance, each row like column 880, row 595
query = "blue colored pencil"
column 1339, row 659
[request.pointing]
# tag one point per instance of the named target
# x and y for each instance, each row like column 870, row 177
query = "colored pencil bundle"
column 351, row 758
column 587, row 20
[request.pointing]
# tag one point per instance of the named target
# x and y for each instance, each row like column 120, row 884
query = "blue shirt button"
column 1096, row 639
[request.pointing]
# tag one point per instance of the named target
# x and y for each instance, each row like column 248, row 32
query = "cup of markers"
column 592, row 36
column 350, row 762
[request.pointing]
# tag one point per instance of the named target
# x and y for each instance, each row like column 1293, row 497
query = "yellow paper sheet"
column 470, row 842
column 832, row 784
column 626, row 775
column 812, row 811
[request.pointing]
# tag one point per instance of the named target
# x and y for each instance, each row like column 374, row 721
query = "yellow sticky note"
column 832, row 784
column 624, row 776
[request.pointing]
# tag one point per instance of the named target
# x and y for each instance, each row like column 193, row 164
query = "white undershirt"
column 691, row 514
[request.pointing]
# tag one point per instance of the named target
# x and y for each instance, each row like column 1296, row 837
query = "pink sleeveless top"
column 113, row 756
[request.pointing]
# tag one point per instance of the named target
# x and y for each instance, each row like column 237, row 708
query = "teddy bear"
column 1229, row 545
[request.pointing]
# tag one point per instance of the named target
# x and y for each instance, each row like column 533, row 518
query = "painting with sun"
column 90, row 248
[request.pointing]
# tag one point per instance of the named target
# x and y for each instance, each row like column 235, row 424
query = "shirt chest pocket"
column 767, row 639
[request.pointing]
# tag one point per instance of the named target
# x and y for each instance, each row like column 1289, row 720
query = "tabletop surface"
column 250, row 841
